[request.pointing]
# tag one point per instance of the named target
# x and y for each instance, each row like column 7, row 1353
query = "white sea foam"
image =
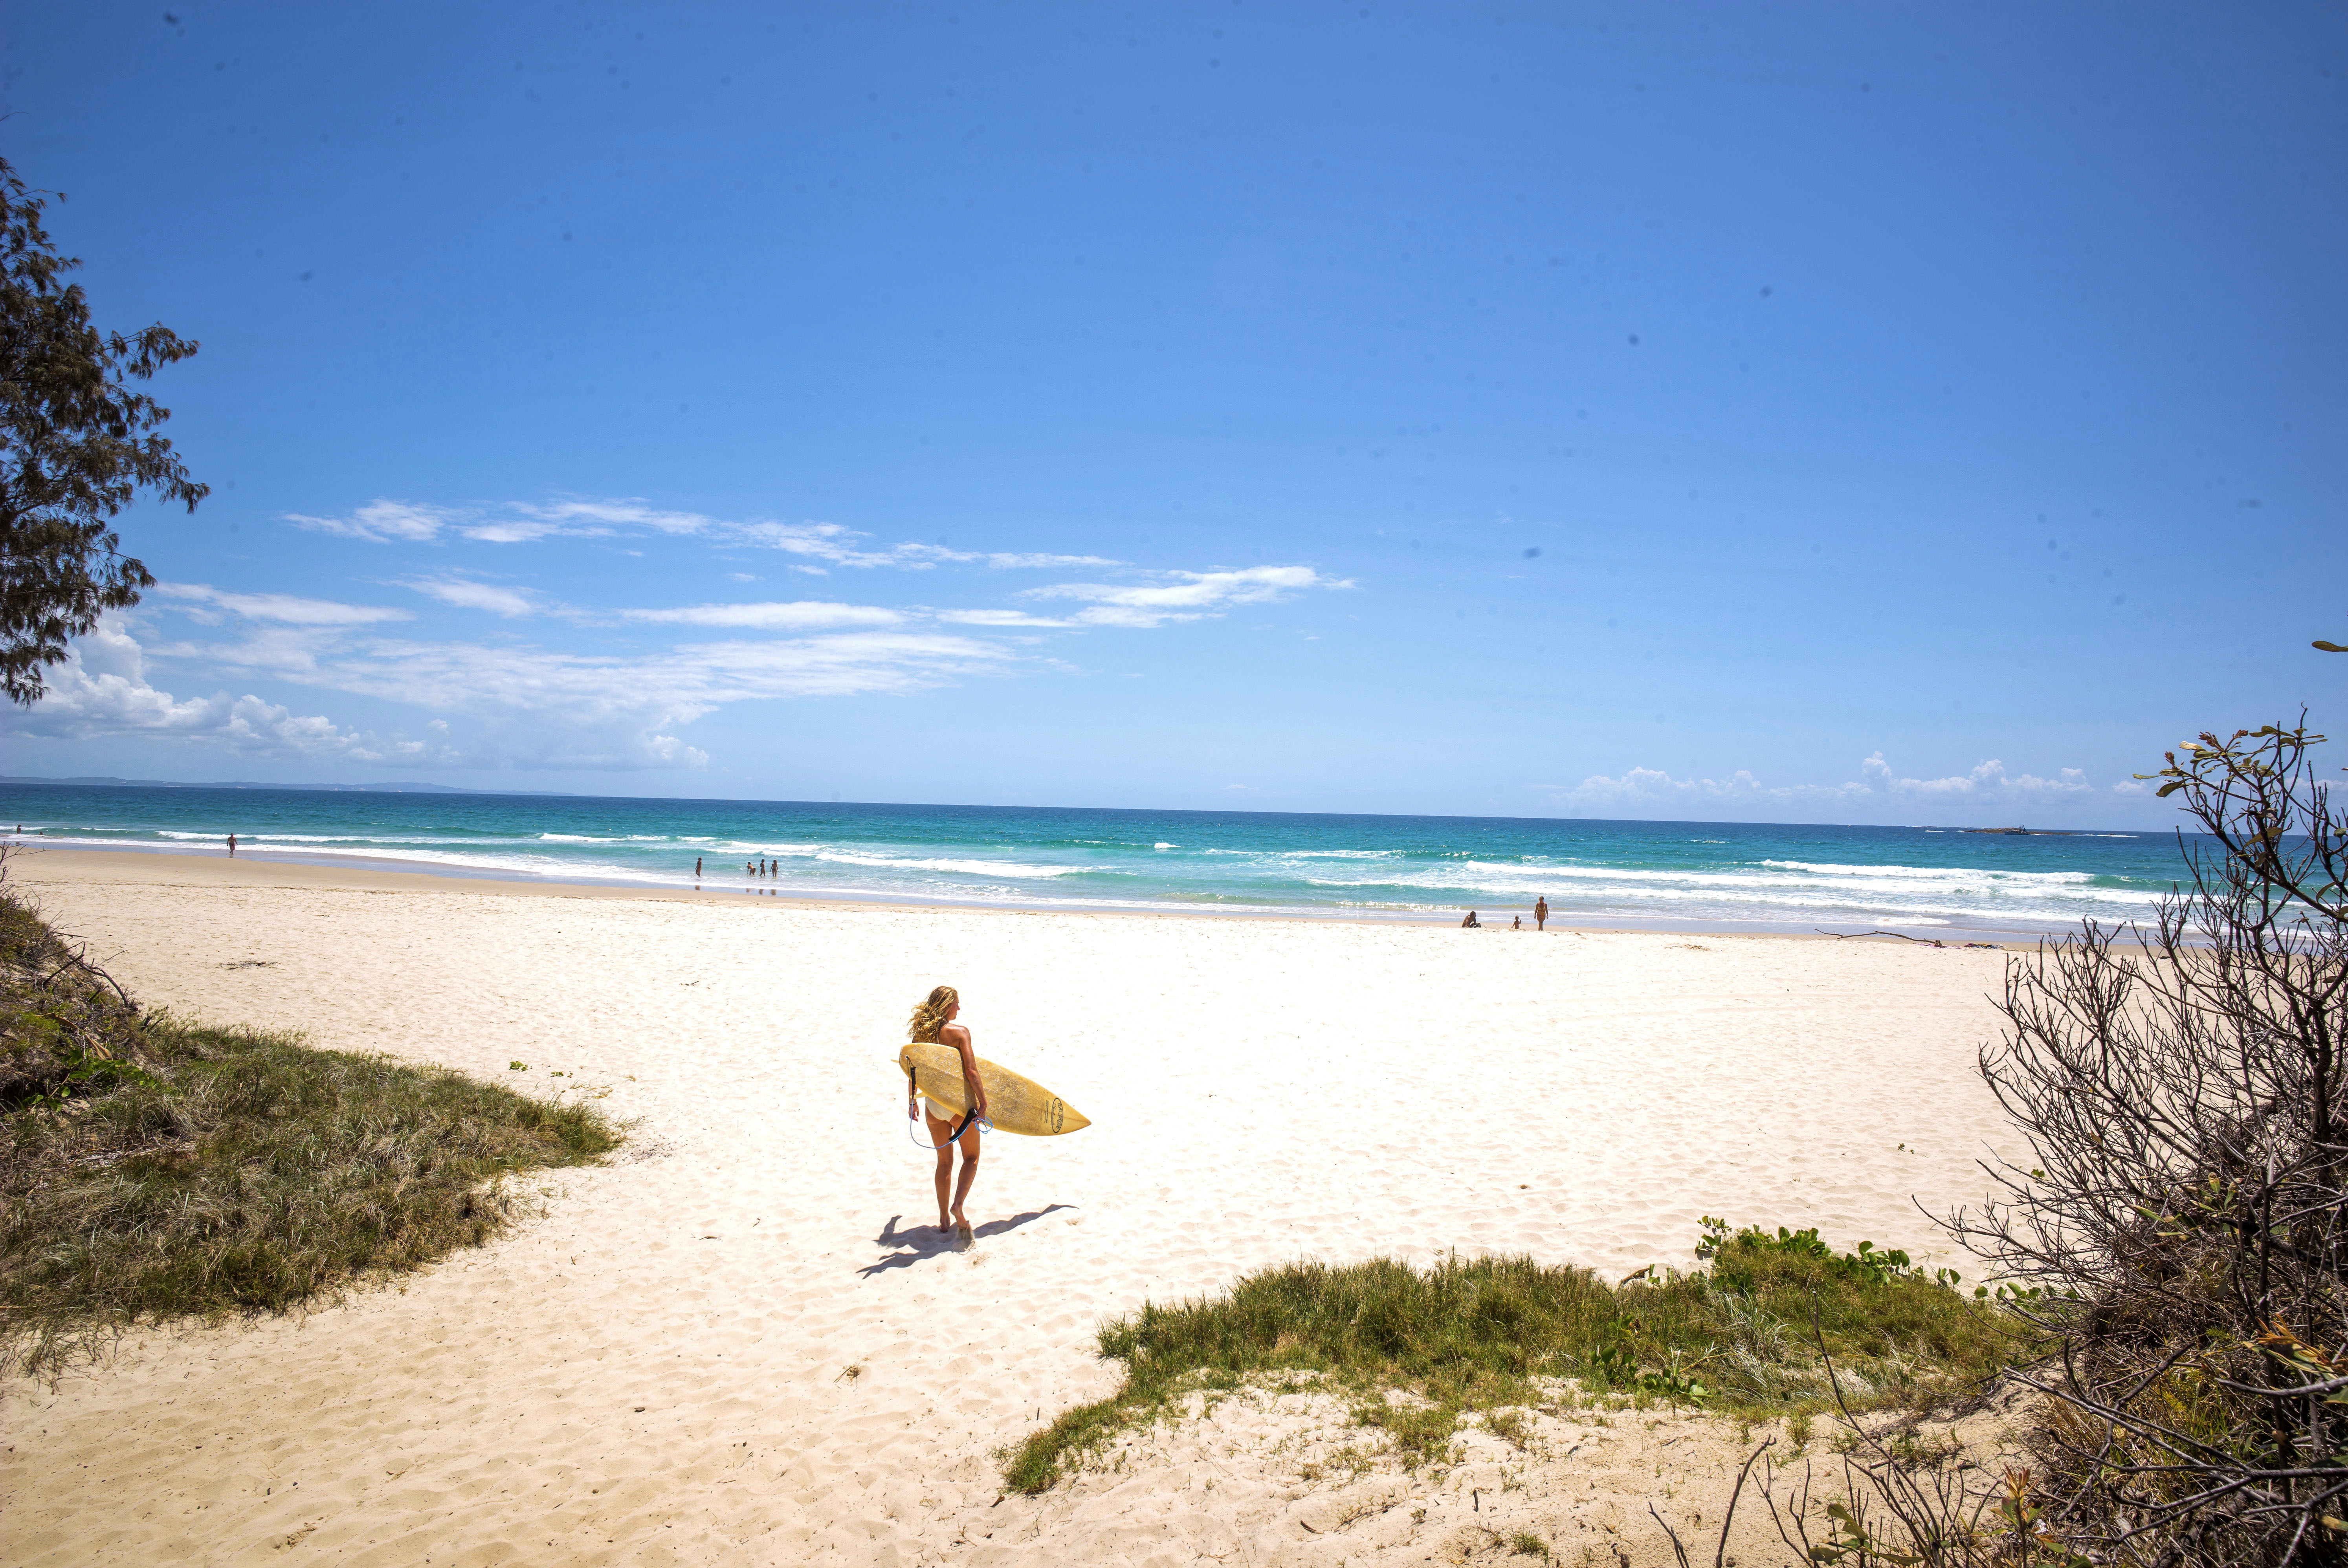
column 964, row 867
column 1833, row 868
column 474, row 839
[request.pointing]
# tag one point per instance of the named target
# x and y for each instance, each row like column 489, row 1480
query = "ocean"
column 1672, row 874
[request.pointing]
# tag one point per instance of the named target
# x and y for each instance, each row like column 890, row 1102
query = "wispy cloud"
column 1988, row 783
column 593, row 704
column 579, row 518
column 997, row 617
column 679, row 683
column 203, row 601
column 282, row 650
column 799, row 614
column 1189, row 596
column 1007, row 561
column 466, row 594
column 827, row 542
column 535, row 707
column 381, row 521
column 387, row 522
column 102, row 690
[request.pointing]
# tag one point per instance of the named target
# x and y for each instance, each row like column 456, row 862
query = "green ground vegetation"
column 1766, row 1327
column 154, row 1169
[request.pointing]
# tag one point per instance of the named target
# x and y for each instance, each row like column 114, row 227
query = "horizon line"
column 106, row 781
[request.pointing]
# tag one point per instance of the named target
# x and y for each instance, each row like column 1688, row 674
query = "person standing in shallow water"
column 934, row 1024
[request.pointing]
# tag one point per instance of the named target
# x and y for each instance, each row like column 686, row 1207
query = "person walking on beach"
column 933, row 1023
column 1540, row 914
column 231, row 844
column 697, row 868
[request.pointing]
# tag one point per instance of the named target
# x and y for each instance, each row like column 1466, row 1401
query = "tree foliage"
column 76, row 446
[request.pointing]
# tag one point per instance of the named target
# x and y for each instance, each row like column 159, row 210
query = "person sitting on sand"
column 1518, row 924
column 1471, row 923
column 933, row 1023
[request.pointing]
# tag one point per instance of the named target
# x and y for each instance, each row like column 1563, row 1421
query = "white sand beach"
column 657, row 1369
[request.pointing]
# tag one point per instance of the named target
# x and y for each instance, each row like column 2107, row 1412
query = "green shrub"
column 151, row 1169
column 1752, row 1335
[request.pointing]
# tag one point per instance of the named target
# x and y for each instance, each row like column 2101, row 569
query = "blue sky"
column 1861, row 414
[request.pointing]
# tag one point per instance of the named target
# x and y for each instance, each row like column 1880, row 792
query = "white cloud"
column 536, row 706
column 829, row 542
column 674, row 685
column 996, row 618
column 802, row 613
column 101, row 688
column 278, row 606
column 1188, row 597
column 1005, row 560
column 627, row 511
column 288, row 649
column 581, row 518
column 1986, row 784
column 383, row 521
column 556, row 710
column 531, row 707
column 523, row 531
column 468, row 595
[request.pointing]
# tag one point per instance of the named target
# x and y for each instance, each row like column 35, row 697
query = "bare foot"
column 960, row 1224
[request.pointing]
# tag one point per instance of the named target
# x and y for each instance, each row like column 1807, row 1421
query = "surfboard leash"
column 913, row 1119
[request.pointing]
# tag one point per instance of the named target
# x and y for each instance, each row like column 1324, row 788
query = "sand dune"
column 739, row 1342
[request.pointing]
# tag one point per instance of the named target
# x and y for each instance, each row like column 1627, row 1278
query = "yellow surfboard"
column 1014, row 1103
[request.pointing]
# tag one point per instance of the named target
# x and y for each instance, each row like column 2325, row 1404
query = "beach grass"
column 1777, row 1324
column 154, row 1169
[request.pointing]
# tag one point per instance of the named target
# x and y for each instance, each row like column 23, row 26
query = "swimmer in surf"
column 933, row 1023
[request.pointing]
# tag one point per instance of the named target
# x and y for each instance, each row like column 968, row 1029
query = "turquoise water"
column 1718, row 875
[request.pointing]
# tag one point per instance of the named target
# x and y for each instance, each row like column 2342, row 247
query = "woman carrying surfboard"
column 933, row 1023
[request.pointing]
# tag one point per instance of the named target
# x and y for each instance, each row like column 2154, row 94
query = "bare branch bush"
column 2182, row 1225
column 2180, row 1230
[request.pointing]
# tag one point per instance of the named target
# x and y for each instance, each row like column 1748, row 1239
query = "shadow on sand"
column 921, row 1243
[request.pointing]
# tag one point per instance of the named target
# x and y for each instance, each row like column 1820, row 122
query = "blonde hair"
column 931, row 1016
